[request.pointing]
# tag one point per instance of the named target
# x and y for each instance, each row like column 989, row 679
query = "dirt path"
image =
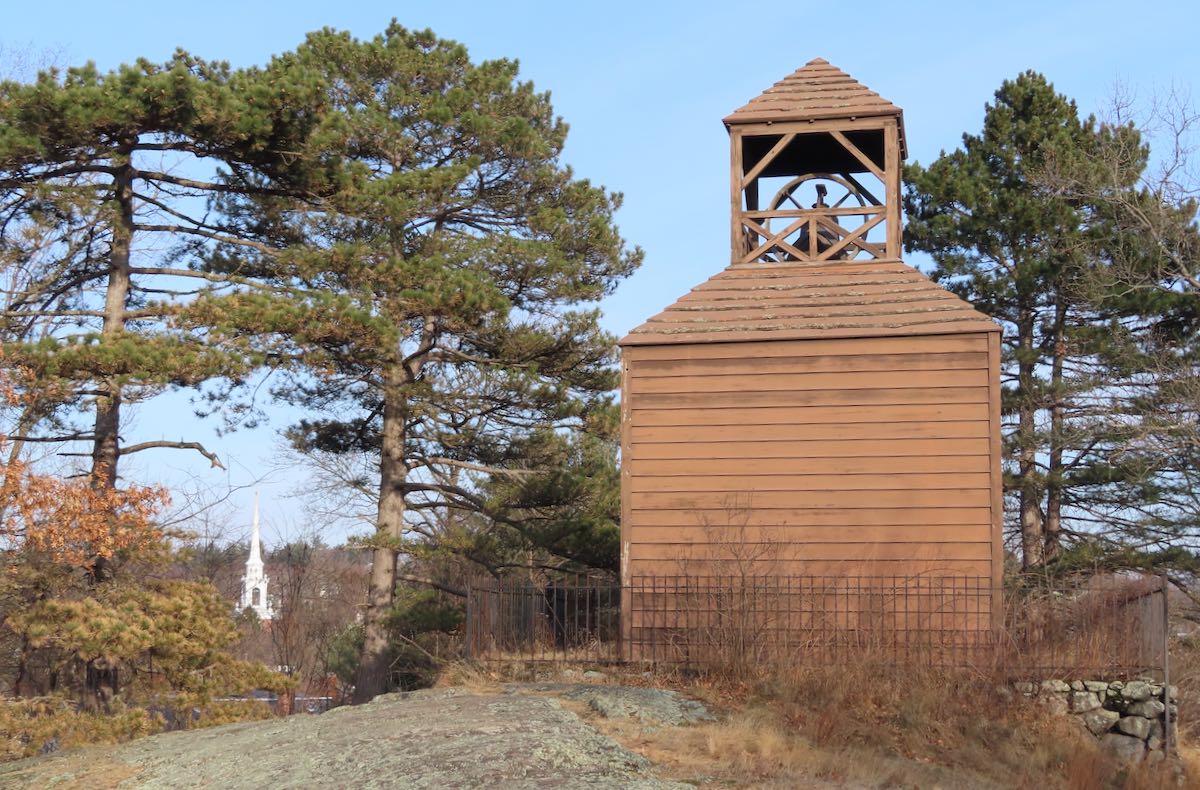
column 442, row 738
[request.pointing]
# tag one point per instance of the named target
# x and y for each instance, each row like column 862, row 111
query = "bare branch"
column 137, row 448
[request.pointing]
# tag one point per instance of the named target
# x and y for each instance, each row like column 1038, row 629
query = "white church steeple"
column 254, row 583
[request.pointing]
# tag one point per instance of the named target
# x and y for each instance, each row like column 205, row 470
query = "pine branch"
column 446, row 588
column 224, row 238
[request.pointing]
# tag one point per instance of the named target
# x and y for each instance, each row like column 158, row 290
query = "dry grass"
column 866, row 724
column 1185, row 673
column 469, row 675
column 862, row 726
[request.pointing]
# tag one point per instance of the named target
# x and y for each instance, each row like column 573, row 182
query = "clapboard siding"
column 773, row 554
column 738, row 517
column 805, row 398
column 735, row 366
column 830, row 350
column 840, row 380
column 849, row 499
column 907, row 567
column 811, row 415
column 812, row 456
column 842, row 465
column 949, row 429
column 820, row 448
column 803, row 533
column 750, row 484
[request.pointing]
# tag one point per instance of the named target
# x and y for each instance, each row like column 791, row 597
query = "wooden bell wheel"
column 843, row 190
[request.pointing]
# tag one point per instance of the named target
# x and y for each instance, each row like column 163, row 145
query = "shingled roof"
column 825, row 300
column 817, row 90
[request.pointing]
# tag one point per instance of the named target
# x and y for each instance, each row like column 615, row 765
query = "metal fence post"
column 1166, row 614
column 470, row 625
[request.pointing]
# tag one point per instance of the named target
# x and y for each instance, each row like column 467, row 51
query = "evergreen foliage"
column 426, row 310
column 102, row 184
column 1032, row 253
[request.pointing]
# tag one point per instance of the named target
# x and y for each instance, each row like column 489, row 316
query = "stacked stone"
column 1128, row 717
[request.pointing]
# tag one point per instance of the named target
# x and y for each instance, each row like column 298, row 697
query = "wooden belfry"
column 824, row 152
column 818, row 408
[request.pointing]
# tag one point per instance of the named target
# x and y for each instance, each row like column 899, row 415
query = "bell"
column 825, row 237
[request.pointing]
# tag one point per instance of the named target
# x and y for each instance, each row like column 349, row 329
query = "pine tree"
column 426, row 308
column 1019, row 250
column 1147, row 299
column 104, row 179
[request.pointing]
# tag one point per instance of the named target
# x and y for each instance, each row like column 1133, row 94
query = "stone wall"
column 1129, row 717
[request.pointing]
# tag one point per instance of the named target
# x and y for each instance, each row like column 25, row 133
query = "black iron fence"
column 575, row 619
column 1106, row 625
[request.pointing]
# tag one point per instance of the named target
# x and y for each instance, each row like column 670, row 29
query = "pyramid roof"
column 837, row 299
column 817, row 90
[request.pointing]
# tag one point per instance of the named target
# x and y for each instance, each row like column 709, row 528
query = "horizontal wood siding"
column 826, row 456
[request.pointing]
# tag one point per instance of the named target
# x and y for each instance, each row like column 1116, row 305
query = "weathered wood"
column 717, row 532
column 856, row 567
column 824, row 416
column 856, row 237
column 997, row 483
column 902, row 552
column 825, row 448
column 733, row 366
column 688, row 518
column 831, row 397
column 772, row 381
column 891, row 181
column 767, row 159
column 910, row 326
column 817, row 347
column 752, row 431
column 808, row 127
column 830, row 211
column 857, row 153
column 627, row 521
column 846, row 500
column 808, row 465
column 772, row 240
column 737, row 235
column 811, row 415
column 751, row 484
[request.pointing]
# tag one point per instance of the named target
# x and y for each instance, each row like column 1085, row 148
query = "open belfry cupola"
column 816, row 171
column 818, row 407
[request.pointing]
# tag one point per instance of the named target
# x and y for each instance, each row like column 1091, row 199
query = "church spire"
column 255, row 547
column 254, row 582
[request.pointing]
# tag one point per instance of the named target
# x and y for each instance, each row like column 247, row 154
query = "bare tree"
column 1143, row 182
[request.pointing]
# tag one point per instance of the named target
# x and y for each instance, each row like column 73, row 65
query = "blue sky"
column 644, row 86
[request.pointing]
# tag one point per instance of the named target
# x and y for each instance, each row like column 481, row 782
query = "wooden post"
column 996, row 477
column 892, row 164
column 625, row 626
column 736, row 244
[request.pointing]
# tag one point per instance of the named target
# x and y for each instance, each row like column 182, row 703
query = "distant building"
column 254, row 582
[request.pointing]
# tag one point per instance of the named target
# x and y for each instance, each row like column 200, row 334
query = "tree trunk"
column 1032, row 538
column 22, row 666
column 106, row 442
column 100, row 682
column 373, row 668
column 1054, row 482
